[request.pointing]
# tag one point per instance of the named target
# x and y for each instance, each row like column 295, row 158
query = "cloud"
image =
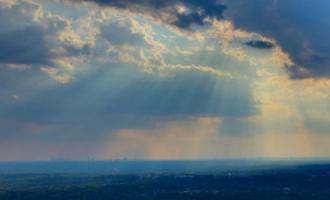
column 118, row 34
column 22, row 38
column 259, row 44
column 298, row 26
column 30, row 38
column 136, row 73
column 24, row 46
column 183, row 13
column 55, row 74
column 7, row 3
column 110, row 52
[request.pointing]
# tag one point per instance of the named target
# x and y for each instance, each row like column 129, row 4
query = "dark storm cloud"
column 300, row 27
column 197, row 13
column 29, row 38
column 259, row 44
column 22, row 40
column 185, row 21
column 24, row 46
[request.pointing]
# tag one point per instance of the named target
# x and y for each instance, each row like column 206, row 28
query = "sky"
column 164, row 80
